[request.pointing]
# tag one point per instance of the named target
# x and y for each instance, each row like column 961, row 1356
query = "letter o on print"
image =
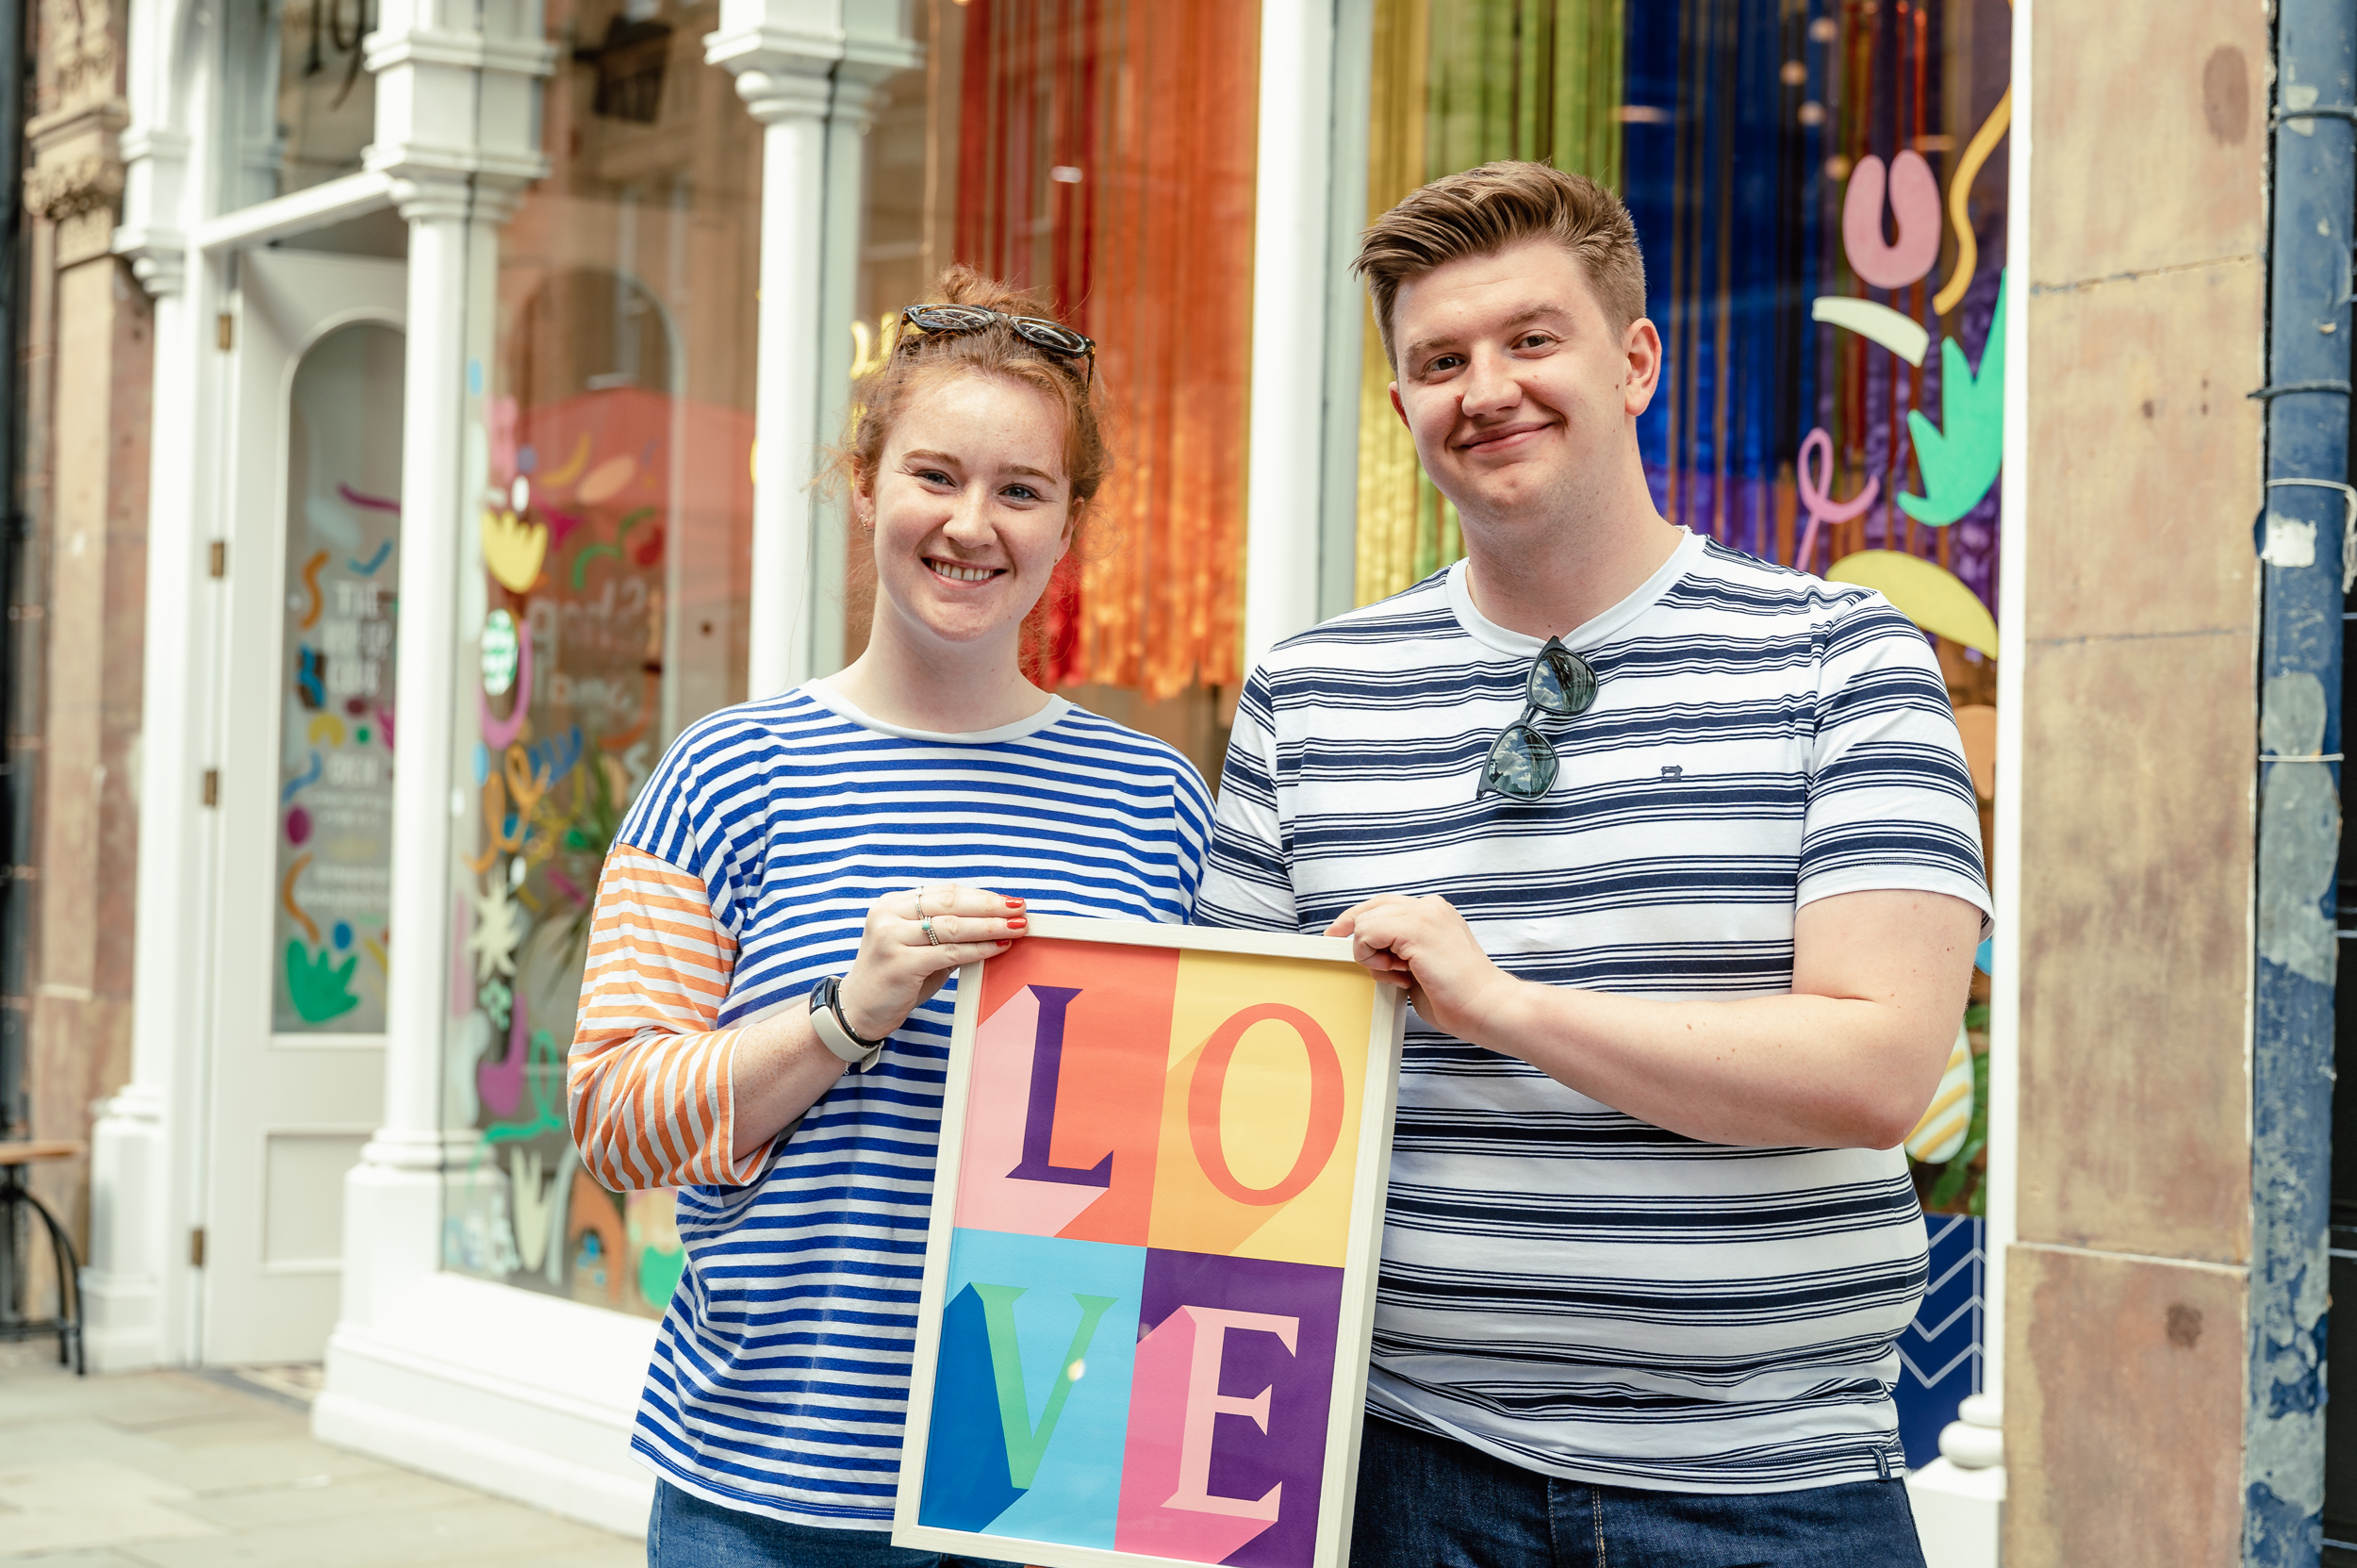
column 1211, row 1083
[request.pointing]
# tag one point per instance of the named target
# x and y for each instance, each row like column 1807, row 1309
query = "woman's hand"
column 911, row 942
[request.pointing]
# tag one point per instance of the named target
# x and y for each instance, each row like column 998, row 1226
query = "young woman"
column 765, row 1022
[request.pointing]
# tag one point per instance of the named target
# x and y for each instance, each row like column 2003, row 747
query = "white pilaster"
column 1960, row 1497
column 137, row 1294
column 1290, row 268
column 803, row 68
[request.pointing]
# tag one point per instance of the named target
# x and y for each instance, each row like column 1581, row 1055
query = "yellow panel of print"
column 1268, row 1062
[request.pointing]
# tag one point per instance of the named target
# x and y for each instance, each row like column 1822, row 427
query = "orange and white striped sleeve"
column 649, row 1076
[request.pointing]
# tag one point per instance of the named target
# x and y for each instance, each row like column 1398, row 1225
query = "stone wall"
column 82, row 604
column 2125, row 1300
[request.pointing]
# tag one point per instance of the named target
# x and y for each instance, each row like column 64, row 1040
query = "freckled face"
column 970, row 508
column 1511, row 379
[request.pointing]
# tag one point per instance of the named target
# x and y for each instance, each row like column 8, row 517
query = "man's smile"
column 1504, row 438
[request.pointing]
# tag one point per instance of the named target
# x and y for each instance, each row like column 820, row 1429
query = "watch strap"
column 826, row 1017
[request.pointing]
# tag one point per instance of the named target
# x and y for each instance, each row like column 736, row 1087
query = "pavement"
column 220, row 1470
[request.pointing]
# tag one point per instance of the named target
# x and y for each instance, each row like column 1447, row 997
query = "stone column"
column 2126, row 1366
column 87, row 474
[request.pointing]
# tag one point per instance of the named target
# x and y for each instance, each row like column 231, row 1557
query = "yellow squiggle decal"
column 287, row 899
column 1968, row 170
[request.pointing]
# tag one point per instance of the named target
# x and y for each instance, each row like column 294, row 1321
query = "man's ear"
column 1398, row 407
column 1641, row 343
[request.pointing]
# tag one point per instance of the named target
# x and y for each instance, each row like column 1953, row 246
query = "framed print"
column 1150, row 1278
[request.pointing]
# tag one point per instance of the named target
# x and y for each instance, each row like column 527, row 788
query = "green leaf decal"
column 319, row 990
column 1959, row 464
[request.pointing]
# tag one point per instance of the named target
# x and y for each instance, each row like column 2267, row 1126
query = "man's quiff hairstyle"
column 1482, row 211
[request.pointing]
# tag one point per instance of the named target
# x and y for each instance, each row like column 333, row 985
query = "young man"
column 1685, row 905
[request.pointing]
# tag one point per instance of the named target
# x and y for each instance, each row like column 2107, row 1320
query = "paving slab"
column 184, row 1469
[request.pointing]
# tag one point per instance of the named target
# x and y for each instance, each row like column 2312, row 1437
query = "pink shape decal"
column 499, row 733
column 989, row 1197
column 1914, row 202
column 501, row 1083
column 1815, row 501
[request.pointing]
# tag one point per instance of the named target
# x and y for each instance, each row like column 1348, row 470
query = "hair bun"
column 961, row 284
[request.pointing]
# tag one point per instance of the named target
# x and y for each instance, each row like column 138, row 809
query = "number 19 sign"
column 1148, row 1286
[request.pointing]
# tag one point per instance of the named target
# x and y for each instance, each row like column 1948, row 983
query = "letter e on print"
column 1227, row 1411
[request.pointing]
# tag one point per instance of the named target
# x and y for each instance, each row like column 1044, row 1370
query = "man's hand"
column 1425, row 946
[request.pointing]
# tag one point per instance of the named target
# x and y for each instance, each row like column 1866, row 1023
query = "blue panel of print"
column 1045, row 1289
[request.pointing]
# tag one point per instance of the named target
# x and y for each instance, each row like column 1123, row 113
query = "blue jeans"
column 684, row 1532
column 1431, row 1502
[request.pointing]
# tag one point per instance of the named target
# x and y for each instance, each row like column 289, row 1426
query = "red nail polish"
column 1018, row 923
column 1014, row 903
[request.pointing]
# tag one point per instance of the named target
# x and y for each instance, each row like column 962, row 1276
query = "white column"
column 849, row 116
column 791, row 105
column 395, row 1194
column 801, row 66
column 1289, row 279
column 454, row 129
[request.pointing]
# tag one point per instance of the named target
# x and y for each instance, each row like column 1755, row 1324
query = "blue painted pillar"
column 2300, row 534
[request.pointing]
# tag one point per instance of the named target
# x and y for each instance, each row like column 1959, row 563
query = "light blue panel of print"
column 1041, row 1297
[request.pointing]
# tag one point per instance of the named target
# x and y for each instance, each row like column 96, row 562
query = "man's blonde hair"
column 1482, row 211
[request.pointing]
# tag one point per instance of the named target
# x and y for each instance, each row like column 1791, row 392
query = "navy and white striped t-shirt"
column 741, row 877
column 1568, row 1288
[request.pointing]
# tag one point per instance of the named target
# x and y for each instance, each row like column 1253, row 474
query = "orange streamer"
column 1149, row 251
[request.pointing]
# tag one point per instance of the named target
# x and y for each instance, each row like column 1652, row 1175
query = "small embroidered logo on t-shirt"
column 1673, row 772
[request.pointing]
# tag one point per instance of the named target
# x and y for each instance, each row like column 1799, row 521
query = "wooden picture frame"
column 1175, row 1142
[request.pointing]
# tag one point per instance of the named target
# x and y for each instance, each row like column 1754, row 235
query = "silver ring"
column 930, row 935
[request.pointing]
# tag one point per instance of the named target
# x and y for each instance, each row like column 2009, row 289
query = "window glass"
column 301, row 109
column 1101, row 151
column 1819, row 188
column 615, row 535
column 335, row 743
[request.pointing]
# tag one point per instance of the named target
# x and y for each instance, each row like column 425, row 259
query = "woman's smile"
column 957, row 571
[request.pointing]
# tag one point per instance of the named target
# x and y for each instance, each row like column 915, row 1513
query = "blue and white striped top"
column 741, row 877
column 1568, row 1288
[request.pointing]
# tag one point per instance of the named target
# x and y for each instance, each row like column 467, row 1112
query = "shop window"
column 615, row 523
column 301, row 107
column 1101, row 151
column 1819, row 187
column 336, row 762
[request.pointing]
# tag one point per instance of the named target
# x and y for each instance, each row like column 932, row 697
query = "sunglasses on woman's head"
column 1521, row 762
column 1038, row 331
